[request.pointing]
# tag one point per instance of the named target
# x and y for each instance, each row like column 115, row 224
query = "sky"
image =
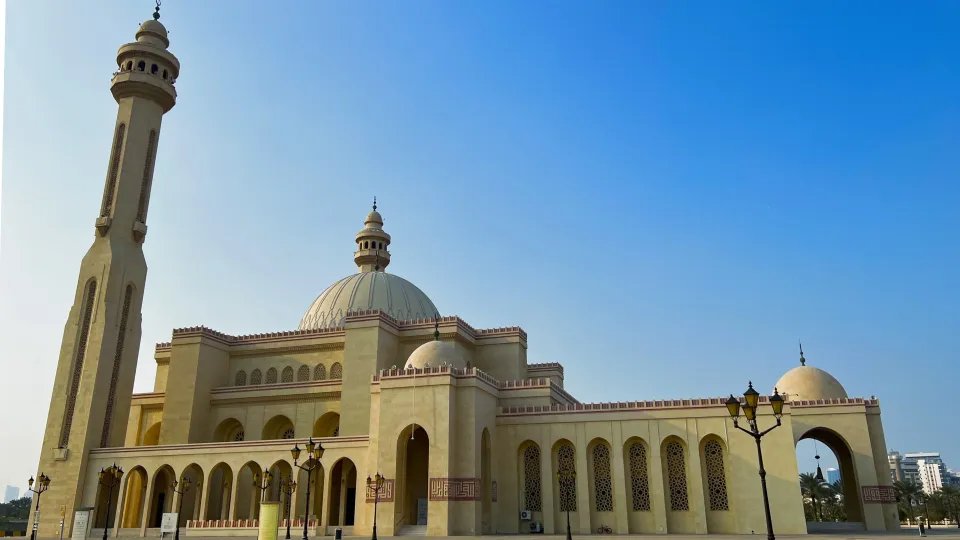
column 666, row 196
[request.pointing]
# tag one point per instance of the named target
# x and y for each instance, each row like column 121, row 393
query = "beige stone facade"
column 468, row 435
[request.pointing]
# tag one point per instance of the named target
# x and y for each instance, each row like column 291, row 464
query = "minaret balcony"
column 135, row 83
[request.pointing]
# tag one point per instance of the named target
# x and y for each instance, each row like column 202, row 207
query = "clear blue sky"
column 665, row 195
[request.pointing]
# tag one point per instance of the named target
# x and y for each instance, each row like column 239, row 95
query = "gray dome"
column 389, row 293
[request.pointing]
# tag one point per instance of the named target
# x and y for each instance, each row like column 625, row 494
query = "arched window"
column 716, row 476
column 141, row 65
column 380, row 244
column 117, row 358
column 677, row 477
column 238, row 436
column 287, row 375
column 288, row 433
column 164, row 74
column 531, row 479
column 319, row 372
column 241, row 378
column 366, row 245
column 568, row 488
column 147, row 178
column 639, row 481
column 336, row 371
column 154, row 69
column 256, row 377
column 272, row 376
column 78, row 361
column 303, row 374
column 602, row 482
column 129, row 65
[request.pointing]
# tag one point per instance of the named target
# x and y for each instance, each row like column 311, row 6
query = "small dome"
column 154, row 33
column 374, row 217
column 808, row 382
column 435, row 354
column 389, row 293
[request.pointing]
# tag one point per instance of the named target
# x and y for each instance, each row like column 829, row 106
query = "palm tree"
column 835, row 492
column 951, row 496
column 812, row 488
column 908, row 493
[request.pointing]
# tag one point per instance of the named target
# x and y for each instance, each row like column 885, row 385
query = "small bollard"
column 339, row 534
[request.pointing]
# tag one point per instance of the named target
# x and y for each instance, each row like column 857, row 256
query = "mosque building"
column 467, row 435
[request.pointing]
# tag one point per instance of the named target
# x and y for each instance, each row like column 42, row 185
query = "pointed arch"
column 278, row 427
column 230, row 430
column 531, row 478
column 272, row 376
column 286, row 376
column 327, row 425
column 256, row 377
column 601, row 475
column 303, row 374
column 134, row 497
column 336, row 371
column 343, row 488
column 189, row 508
column 636, row 465
column 219, row 491
column 248, row 496
column 151, row 437
column 161, row 498
column 240, row 379
column 713, row 464
column 319, row 372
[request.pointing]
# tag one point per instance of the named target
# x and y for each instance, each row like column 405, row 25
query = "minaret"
column 372, row 243
column 101, row 340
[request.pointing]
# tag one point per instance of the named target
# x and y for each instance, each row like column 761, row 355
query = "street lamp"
column 751, row 401
column 567, row 476
column 185, row 485
column 378, row 480
column 314, row 453
column 288, row 486
column 43, row 483
column 264, row 484
column 108, row 478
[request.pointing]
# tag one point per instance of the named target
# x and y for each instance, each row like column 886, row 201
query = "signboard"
column 269, row 520
column 421, row 511
column 168, row 523
column 81, row 525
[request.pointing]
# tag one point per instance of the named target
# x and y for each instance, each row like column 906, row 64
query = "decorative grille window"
column 602, row 483
column 531, row 479
column 107, row 207
column 336, row 371
column 639, row 481
column 240, row 379
column 117, row 359
column 238, row 436
column 677, row 477
column 272, row 376
column 303, row 374
column 78, row 361
column 287, row 375
column 568, row 488
column 319, row 372
column 288, row 434
column 716, row 476
column 147, row 178
column 256, row 377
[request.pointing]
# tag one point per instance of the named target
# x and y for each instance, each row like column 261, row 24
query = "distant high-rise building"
column 11, row 493
column 833, row 475
column 924, row 468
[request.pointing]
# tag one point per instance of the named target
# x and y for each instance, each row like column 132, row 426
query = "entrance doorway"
column 413, row 460
column 343, row 493
column 831, row 495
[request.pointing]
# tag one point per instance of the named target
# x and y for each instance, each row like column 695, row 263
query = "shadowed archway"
column 413, row 461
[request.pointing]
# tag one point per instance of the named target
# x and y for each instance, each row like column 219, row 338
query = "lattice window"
column 272, row 376
column 303, row 374
column 147, row 178
column 336, row 371
column 111, row 187
column 240, row 379
column 639, row 481
column 531, row 479
column 677, row 477
column 256, row 377
column 716, row 476
column 287, row 375
column 319, row 372
column 78, row 361
column 568, row 488
column 238, row 436
column 287, row 433
column 602, row 483
column 115, row 374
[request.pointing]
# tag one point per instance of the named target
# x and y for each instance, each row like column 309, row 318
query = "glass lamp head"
column 776, row 401
column 750, row 413
column 752, row 396
column 733, row 407
column 295, row 452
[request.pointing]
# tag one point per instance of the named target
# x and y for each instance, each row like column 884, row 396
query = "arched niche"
column 190, row 507
column 849, row 492
column 413, row 466
column 278, row 427
column 151, row 436
column 343, row 493
column 161, row 497
column 715, row 479
column 248, row 496
column 219, row 491
column 530, row 482
column 564, row 457
column 328, row 425
column 675, row 463
column 134, row 497
column 600, row 483
column 230, row 430
column 636, row 466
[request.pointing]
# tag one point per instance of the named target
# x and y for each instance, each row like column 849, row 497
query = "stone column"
column 231, row 500
column 583, row 483
column 121, row 504
column 658, row 500
column 546, row 486
column 147, row 504
column 619, row 482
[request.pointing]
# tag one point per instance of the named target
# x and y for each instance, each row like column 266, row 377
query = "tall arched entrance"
column 343, row 493
column 161, row 500
column 831, row 501
column 413, row 460
column 219, row 490
column 190, row 507
column 135, row 493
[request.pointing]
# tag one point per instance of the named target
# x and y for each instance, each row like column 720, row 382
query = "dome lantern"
column 372, row 243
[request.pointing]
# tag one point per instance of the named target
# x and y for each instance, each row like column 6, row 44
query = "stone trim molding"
column 454, row 489
column 667, row 404
column 386, row 491
column 547, row 366
column 879, row 494
column 540, row 382
column 284, row 444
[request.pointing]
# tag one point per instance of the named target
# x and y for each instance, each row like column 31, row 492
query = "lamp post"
column 314, row 453
column 566, row 477
column 185, row 486
column 43, row 483
column 108, row 478
column 288, row 486
column 751, row 402
column 263, row 484
column 378, row 481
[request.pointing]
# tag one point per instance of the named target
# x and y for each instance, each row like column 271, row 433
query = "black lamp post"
column 566, row 478
column 378, row 481
column 43, row 483
column 264, row 484
column 109, row 478
column 184, row 487
column 751, row 402
column 288, row 486
column 314, row 453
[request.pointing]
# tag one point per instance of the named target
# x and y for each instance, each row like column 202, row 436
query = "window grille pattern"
column 78, row 361
column 111, row 188
column 568, row 488
column 303, row 374
column 602, row 482
column 716, row 477
column 287, row 433
column 272, row 376
column 256, row 377
column 533, row 498
column 147, row 178
column 336, row 371
column 287, row 375
column 336, row 432
column 319, row 372
column 639, row 481
column 677, row 477
column 238, row 436
column 115, row 374
column 240, row 379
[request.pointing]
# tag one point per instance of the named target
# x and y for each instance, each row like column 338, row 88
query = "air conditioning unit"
column 526, row 515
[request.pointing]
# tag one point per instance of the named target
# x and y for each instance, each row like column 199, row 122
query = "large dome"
column 389, row 293
column 808, row 382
